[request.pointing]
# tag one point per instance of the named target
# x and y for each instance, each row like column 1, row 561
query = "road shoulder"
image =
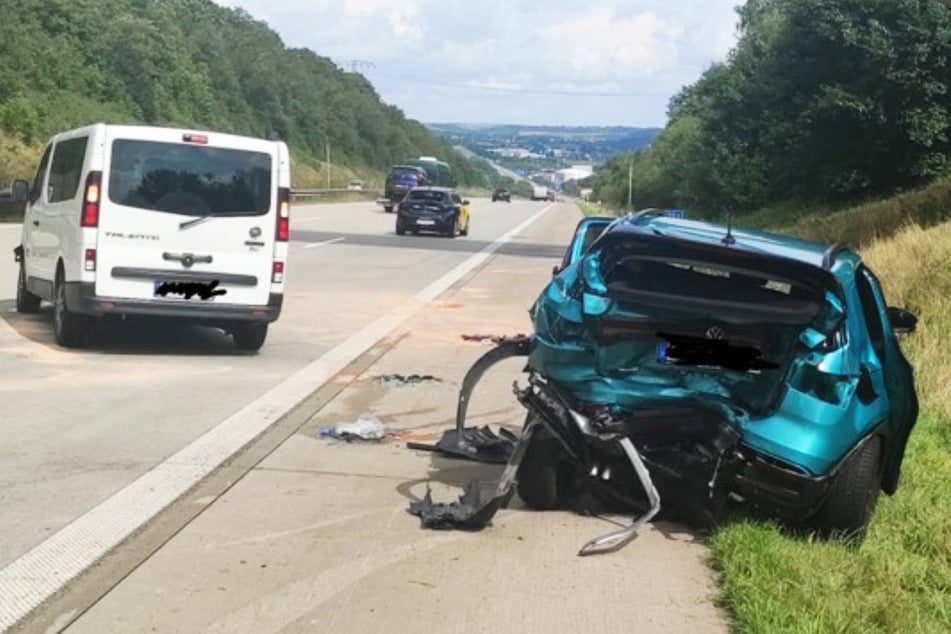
column 317, row 537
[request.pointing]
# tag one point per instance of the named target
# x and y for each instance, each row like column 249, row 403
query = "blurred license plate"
column 186, row 291
column 425, row 222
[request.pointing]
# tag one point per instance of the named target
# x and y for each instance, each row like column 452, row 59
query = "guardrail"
column 298, row 193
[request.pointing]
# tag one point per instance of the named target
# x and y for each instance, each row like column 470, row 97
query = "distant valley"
column 528, row 150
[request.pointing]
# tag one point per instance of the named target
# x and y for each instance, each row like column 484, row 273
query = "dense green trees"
column 193, row 63
column 821, row 102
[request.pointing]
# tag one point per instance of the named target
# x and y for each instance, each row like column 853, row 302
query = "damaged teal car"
column 693, row 366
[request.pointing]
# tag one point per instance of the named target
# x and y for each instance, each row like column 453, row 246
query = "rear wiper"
column 194, row 221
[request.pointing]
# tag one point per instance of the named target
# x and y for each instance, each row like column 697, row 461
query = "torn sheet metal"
column 478, row 444
column 468, row 513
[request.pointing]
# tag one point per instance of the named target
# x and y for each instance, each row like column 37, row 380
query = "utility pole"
column 630, row 185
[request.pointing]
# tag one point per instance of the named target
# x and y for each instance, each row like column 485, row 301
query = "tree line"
column 192, row 63
column 820, row 103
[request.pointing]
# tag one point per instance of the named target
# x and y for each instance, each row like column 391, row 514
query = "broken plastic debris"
column 468, row 513
column 412, row 379
column 367, row 427
column 478, row 444
column 492, row 338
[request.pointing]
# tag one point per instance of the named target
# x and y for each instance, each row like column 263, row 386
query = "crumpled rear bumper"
column 690, row 457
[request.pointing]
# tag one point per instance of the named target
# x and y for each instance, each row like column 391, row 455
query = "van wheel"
column 27, row 302
column 249, row 336
column 69, row 328
column 847, row 511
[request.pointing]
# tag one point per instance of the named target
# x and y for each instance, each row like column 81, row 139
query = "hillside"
column 65, row 63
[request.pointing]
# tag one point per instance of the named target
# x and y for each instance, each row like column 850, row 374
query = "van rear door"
column 187, row 212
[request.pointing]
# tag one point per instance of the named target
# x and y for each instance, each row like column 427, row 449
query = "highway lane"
column 79, row 426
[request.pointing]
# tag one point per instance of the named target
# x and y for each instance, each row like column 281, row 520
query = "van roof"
column 132, row 128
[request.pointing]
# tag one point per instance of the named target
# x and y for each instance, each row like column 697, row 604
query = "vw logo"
column 715, row 332
column 255, row 232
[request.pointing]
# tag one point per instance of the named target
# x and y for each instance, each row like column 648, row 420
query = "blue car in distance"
column 694, row 366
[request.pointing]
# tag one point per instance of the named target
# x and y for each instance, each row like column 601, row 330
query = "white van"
column 165, row 222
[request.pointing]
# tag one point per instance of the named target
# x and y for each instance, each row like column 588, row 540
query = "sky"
column 588, row 62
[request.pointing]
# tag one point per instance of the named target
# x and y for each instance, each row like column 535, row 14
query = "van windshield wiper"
column 194, row 221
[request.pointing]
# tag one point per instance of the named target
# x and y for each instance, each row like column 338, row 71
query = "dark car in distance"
column 400, row 180
column 502, row 194
column 433, row 209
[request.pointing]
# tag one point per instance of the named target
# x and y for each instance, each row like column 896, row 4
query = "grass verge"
column 900, row 579
column 859, row 225
column 595, row 209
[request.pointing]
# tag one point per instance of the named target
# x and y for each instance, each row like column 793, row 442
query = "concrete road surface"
column 295, row 533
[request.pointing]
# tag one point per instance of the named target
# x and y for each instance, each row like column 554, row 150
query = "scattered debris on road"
column 413, row 379
column 468, row 513
column 478, row 444
column 366, row 427
column 491, row 338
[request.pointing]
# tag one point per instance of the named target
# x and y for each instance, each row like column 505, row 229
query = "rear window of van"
column 189, row 179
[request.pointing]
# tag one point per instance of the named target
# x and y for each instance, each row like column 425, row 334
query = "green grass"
column 594, row 209
column 859, row 225
column 898, row 581
column 900, row 578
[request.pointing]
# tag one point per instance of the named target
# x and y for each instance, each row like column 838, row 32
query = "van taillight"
column 277, row 276
column 283, row 214
column 91, row 198
column 90, row 260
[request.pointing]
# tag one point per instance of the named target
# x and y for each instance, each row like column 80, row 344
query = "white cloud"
column 488, row 61
column 602, row 45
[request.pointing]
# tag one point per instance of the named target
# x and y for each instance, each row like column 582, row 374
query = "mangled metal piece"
column 618, row 539
column 470, row 512
column 478, row 444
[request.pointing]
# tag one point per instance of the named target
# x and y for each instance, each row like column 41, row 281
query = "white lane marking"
column 30, row 580
column 10, row 226
column 314, row 245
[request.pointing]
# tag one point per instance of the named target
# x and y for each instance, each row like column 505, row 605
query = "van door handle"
column 36, row 223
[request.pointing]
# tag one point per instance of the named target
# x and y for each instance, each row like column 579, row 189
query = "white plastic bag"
column 367, row 427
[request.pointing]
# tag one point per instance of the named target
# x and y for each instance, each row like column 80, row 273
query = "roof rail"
column 828, row 257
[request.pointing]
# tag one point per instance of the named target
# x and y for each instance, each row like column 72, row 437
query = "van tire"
column 27, row 302
column 847, row 511
column 249, row 336
column 69, row 328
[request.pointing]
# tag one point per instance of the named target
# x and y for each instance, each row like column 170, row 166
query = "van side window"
column 66, row 169
column 37, row 188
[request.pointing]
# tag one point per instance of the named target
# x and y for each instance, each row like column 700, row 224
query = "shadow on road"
column 431, row 243
column 139, row 336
